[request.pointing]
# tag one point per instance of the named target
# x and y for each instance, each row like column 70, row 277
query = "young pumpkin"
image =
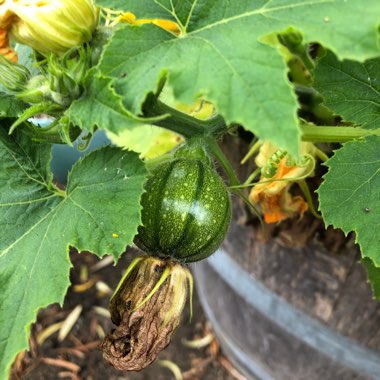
column 186, row 208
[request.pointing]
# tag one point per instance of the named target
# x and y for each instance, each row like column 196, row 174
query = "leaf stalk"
column 330, row 134
column 182, row 123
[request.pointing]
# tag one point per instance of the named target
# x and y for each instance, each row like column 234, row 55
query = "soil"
column 78, row 357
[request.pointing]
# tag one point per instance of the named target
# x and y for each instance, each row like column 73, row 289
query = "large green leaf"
column 147, row 140
column 351, row 89
column 350, row 194
column 140, row 8
column 10, row 106
column 221, row 55
column 100, row 106
column 99, row 212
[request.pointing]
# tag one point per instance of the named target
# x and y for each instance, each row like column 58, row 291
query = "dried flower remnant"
column 146, row 308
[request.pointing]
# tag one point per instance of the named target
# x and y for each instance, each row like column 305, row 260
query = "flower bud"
column 13, row 77
column 146, row 308
column 51, row 26
column 66, row 75
column 62, row 78
column 37, row 90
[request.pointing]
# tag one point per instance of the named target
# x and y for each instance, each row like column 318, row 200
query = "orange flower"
column 5, row 49
column 272, row 194
column 274, row 198
column 281, row 206
column 169, row 25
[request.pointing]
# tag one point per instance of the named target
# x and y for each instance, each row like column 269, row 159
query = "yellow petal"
column 169, row 25
column 49, row 26
column 128, row 17
column 266, row 151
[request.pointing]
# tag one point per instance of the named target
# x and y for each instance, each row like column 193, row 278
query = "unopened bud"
column 66, row 74
column 36, row 90
column 13, row 76
column 146, row 308
column 62, row 78
column 51, row 26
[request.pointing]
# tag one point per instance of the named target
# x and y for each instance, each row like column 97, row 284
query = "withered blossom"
column 146, row 309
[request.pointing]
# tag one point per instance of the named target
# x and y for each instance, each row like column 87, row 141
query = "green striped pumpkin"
column 186, row 211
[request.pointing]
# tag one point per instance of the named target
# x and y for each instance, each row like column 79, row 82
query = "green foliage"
column 350, row 195
column 140, row 8
column 228, row 54
column 351, row 89
column 10, row 106
column 147, row 140
column 98, row 213
column 100, row 106
column 223, row 56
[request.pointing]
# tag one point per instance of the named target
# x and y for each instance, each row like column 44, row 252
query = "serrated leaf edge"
column 345, row 231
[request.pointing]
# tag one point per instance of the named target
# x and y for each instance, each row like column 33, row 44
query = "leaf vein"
column 91, row 217
column 26, row 233
column 260, row 11
column 23, row 169
column 27, row 202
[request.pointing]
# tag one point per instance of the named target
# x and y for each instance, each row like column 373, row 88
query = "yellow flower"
column 51, row 25
column 130, row 18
